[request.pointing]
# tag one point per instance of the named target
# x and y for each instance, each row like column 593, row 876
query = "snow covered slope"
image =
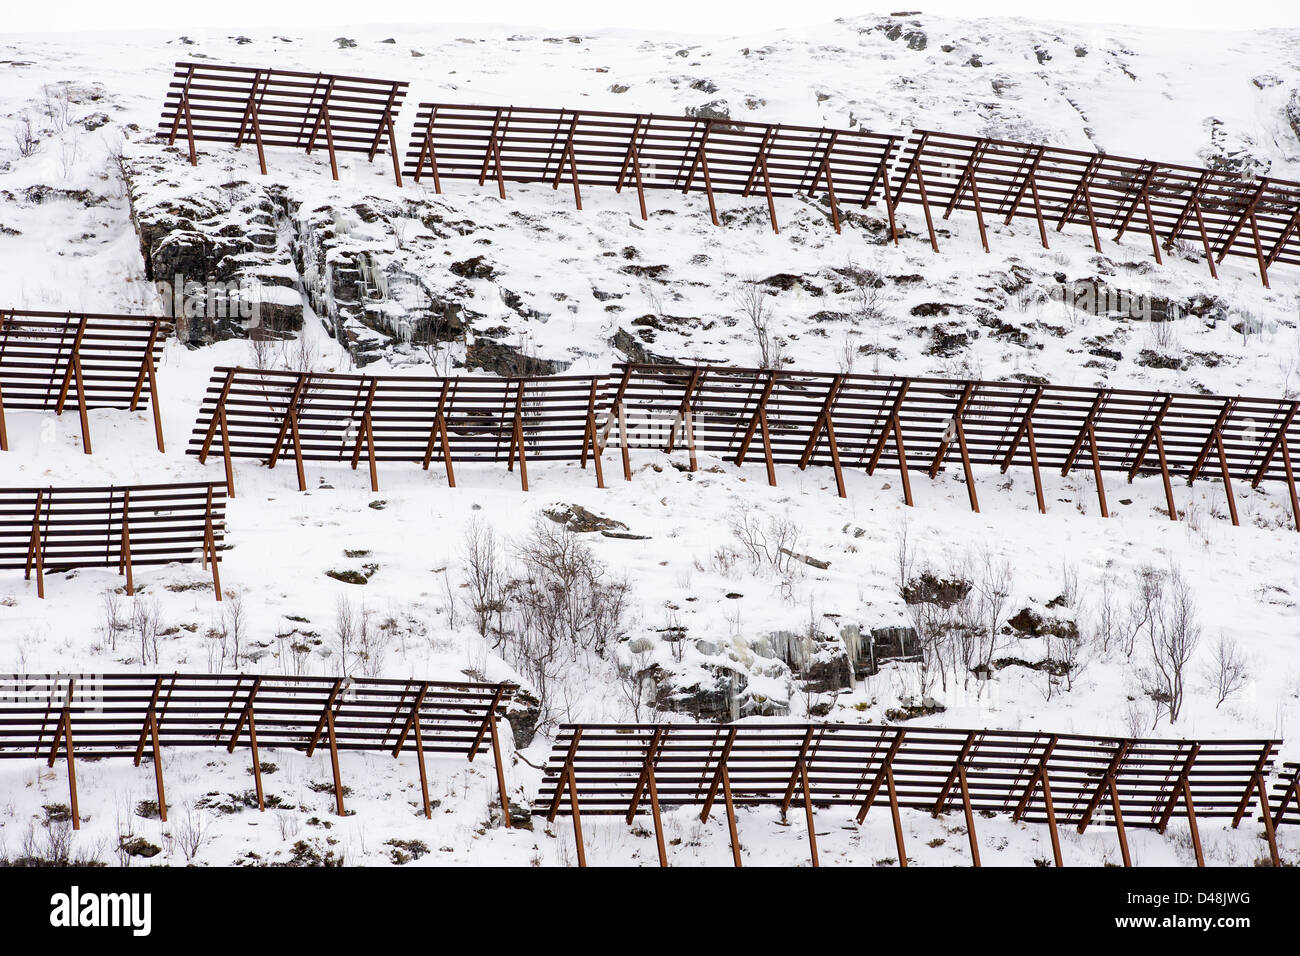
column 710, row 625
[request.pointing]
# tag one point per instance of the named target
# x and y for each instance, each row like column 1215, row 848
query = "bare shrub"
column 1227, row 671
column 846, row 351
column 51, row 841
column 1172, row 632
column 115, row 625
column 234, row 625
column 636, row 682
column 371, row 641
column 562, row 606
column 57, row 106
column 297, row 355
column 191, row 830
column 261, row 346
column 484, row 577
column 942, row 612
column 993, row 581
column 69, row 156
column 769, row 544
column 752, row 303
column 25, row 137
column 904, row 554
column 1137, row 718
column 453, row 619
column 347, row 630
column 866, row 295
column 1107, row 619
column 146, row 624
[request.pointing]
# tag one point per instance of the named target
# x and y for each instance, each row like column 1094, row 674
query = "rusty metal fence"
column 1054, row 779
column 1218, row 212
column 118, row 526
column 236, row 105
column 134, row 715
column 783, row 417
column 648, row 151
column 1215, row 211
column 94, row 359
column 1286, row 793
column 266, row 415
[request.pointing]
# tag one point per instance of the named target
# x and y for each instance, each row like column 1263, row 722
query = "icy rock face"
column 209, row 247
column 1233, row 151
column 363, row 267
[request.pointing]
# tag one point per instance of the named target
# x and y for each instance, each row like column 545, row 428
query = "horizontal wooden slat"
column 844, row 760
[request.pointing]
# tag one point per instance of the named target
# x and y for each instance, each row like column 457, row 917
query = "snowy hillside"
column 699, row 613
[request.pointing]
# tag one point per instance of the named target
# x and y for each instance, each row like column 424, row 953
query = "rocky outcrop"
column 215, row 255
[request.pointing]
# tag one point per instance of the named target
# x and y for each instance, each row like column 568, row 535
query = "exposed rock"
column 475, row 268
column 523, row 714
column 718, row 699
column 1096, row 296
column 139, row 846
column 1027, row 622
column 948, row 339
column 866, row 652
column 216, row 256
column 581, row 521
column 929, row 588
column 913, row 708
column 716, row 110
column 627, row 344
column 915, row 38
column 1233, row 151
column 507, row 360
column 40, row 193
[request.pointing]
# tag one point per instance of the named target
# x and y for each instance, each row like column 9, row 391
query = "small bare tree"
column 771, row 545
column 372, row 642
column 234, row 624
column 563, row 607
column 25, row 137
column 57, row 106
column 904, row 554
column 146, row 622
column 993, row 580
column 345, row 631
column 752, row 302
column 1227, row 671
column 114, row 623
column 865, row 295
column 191, row 831
column 484, row 576
column 846, row 352
column 1173, row 636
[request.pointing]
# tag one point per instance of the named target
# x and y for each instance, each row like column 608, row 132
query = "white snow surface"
column 1143, row 92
